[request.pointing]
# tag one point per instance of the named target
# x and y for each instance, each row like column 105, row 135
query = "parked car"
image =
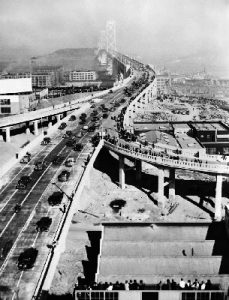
column 44, row 223
column 85, row 127
column 110, row 91
column 78, row 147
column 5, row 248
column 64, row 176
column 55, row 198
column 40, row 165
column 46, row 140
column 23, row 182
column 27, row 258
column 70, row 162
column 72, row 118
column 62, row 126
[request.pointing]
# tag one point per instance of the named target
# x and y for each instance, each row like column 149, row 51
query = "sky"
column 144, row 28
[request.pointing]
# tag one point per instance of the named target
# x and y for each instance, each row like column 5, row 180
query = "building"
column 82, row 76
column 43, row 80
column 15, row 95
column 15, row 75
column 214, row 136
column 163, row 83
column 56, row 73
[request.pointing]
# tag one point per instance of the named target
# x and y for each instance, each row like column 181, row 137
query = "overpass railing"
column 161, row 159
column 150, row 295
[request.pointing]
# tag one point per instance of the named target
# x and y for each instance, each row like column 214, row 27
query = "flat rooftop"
column 161, row 138
column 153, row 127
column 187, row 142
column 210, row 126
column 181, row 125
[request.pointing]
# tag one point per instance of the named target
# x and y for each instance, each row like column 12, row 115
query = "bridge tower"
column 111, row 36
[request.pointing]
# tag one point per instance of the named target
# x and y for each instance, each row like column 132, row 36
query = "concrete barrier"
column 45, row 284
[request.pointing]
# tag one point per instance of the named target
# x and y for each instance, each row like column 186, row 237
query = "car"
column 83, row 121
column 17, row 208
column 110, row 92
column 46, row 140
column 40, row 165
column 27, row 258
column 78, row 147
column 93, row 106
column 55, row 198
column 69, row 161
column 85, row 127
column 80, row 134
column 43, row 224
column 23, row 182
column 62, row 126
column 25, row 159
column 91, row 128
column 95, row 119
column 69, row 133
column 58, row 160
column 70, row 143
column 64, row 176
column 83, row 116
column 5, row 248
column 72, row 118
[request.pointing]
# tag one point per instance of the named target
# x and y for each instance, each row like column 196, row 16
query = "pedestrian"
column 182, row 283
column 183, row 252
column 126, row 285
column 192, row 252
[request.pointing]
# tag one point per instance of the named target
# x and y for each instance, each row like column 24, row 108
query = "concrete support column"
column 8, row 134
column 161, row 197
column 58, row 118
column 138, row 165
column 35, row 124
column 172, row 194
column 27, row 128
column 218, row 197
column 121, row 172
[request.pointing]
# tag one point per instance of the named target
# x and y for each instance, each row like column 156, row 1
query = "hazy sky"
column 144, row 27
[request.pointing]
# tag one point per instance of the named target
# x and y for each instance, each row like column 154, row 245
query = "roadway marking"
column 25, row 198
column 28, row 164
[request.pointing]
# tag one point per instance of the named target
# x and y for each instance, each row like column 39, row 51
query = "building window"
column 5, row 110
column 5, row 102
column 211, row 151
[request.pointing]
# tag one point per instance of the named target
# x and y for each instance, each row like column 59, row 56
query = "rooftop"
column 154, row 126
column 210, row 126
column 14, row 86
column 187, row 142
column 181, row 125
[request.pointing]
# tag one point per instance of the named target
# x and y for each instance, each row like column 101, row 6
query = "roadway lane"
column 20, row 227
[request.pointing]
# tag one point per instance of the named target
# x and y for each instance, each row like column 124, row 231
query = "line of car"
column 28, row 257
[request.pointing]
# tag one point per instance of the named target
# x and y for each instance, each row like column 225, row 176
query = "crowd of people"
column 134, row 285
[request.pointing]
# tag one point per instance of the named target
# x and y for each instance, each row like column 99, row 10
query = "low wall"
column 75, row 205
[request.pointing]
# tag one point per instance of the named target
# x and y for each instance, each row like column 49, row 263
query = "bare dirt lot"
column 194, row 203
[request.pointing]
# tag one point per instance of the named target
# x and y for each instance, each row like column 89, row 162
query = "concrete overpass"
column 159, row 158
